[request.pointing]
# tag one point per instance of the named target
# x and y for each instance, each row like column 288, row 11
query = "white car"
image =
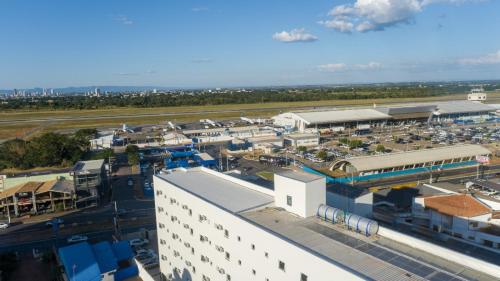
column 138, row 242
column 77, row 238
column 4, row 225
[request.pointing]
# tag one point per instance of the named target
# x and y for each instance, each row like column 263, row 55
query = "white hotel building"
column 214, row 227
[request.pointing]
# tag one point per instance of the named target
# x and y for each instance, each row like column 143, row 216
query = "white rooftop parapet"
column 441, row 252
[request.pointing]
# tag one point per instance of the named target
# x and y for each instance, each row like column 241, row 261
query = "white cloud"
column 332, row 67
column 123, row 19
column 493, row 58
column 369, row 66
column 376, row 15
column 338, row 67
column 295, row 35
column 338, row 24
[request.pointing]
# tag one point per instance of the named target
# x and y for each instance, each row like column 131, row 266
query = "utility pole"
column 115, row 222
column 221, row 168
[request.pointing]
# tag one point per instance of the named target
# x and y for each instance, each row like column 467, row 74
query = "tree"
column 355, row 143
column 49, row 149
column 132, row 154
column 133, row 159
column 131, row 148
column 322, row 155
column 380, row 148
column 302, row 149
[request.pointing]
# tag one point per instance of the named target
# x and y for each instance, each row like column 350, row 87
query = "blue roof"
column 105, row 257
column 79, row 262
column 122, row 250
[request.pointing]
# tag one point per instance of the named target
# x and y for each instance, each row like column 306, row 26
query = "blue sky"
column 57, row 43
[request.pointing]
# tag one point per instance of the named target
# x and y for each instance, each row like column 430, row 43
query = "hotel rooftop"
column 372, row 258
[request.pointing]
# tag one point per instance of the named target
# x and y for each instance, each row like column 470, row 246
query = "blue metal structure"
column 390, row 174
column 85, row 262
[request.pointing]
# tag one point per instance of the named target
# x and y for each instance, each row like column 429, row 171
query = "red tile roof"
column 461, row 205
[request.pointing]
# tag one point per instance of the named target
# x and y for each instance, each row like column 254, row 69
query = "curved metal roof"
column 341, row 116
column 383, row 161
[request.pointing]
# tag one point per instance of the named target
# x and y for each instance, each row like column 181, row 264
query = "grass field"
column 10, row 128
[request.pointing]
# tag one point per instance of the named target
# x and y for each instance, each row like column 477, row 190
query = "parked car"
column 145, row 255
column 4, row 225
column 56, row 220
column 77, row 238
column 138, row 242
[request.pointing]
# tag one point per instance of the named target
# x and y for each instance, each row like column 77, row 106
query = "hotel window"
column 228, row 257
column 254, row 272
column 253, row 246
column 303, row 277
column 226, row 233
column 281, row 265
column 289, row 200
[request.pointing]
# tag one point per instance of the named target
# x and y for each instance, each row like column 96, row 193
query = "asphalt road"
column 96, row 223
column 164, row 114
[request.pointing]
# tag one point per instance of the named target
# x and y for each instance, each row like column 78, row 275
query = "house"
column 458, row 215
column 88, row 177
column 102, row 261
column 297, row 140
column 34, row 197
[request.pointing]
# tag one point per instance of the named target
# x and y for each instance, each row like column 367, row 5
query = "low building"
column 477, row 95
column 459, row 215
column 37, row 197
column 102, row 142
column 204, row 159
column 265, row 143
column 297, row 140
column 102, row 261
column 173, row 138
column 89, row 179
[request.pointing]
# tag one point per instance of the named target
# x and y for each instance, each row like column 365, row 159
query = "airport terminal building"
column 360, row 118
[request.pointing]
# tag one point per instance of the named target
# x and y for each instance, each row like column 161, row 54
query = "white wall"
column 362, row 205
column 177, row 238
column 441, row 252
column 306, row 197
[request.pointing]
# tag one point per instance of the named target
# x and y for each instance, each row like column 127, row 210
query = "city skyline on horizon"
column 191, row 45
